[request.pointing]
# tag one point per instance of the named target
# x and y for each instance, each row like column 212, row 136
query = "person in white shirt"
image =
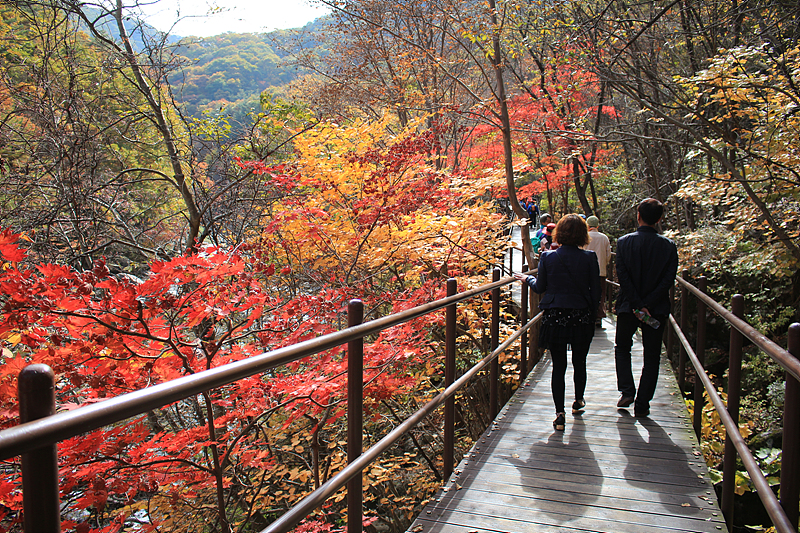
column 601, row 246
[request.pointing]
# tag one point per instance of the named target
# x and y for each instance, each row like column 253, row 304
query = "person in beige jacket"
column 601, row 246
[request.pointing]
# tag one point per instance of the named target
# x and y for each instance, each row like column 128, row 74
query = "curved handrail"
column 789, row 362
column 47, row 431
column 768, row 498
column 36, row 440
column 778, row 354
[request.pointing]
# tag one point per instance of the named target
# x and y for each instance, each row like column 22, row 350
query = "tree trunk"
column 178, row 178
column 505, row 129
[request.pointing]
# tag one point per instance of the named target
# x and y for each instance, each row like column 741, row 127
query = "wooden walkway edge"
column 608, row 472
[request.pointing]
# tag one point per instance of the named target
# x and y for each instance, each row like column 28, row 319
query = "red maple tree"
column 552, row 122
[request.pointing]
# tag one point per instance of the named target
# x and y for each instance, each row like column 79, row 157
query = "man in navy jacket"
column 646, row 267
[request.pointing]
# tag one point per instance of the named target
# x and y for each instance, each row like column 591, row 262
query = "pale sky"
column 241, row 16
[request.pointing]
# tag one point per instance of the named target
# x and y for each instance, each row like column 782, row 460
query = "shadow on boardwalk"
column 607, row 472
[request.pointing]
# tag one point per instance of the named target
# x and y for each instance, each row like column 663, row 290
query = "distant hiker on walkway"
column 600, row 245
column 646, row 267
column 570, row 280
column 533, row 213
column 547, row 238
column 545, row 219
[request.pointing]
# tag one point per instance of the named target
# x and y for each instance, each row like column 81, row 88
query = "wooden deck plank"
column 607, row 472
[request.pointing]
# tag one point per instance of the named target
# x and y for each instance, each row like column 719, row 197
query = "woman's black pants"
column 558, row 354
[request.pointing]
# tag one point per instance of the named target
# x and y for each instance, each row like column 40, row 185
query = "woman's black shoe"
column 559, row 422
column 577, row 406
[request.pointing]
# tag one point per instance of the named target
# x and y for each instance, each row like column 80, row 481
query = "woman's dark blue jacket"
column 569, row 278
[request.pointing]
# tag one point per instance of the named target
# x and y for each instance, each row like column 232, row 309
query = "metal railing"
column 783, row 513
column 40, row 430
column 36, row 437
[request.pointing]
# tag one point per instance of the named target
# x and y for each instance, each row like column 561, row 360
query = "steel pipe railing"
column 776, row 353
column 770, row 501
column 784, row 514
column 37, row 436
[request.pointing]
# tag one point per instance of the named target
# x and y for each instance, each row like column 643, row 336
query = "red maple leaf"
column 8, row 247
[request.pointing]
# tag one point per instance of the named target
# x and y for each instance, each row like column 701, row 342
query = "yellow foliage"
column 749, row 92
column 363, row 206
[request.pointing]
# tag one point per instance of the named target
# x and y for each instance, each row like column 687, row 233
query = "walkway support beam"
column 684, row 327
column 523, row 319
column 790, row 456
column 533, row 336
column 700, row 351
column 734, row 393
column 494, row 369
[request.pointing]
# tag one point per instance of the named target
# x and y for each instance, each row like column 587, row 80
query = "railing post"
column 355, row 415
column 611, row 268
column 523, row 318
column 494, row 373
column 700, row 351
column 449, row 377
column 668, row 333
column 734, row 390
column 684, row 327
column 40, row 504
column 533, row 303
column 790, row 456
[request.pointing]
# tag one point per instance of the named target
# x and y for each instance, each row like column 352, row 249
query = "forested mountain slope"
column 237, row 67
column 229, row 68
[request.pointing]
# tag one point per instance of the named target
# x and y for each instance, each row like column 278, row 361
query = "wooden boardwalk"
column 608, row 472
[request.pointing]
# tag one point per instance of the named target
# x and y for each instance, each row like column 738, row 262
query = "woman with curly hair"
column 569, row 279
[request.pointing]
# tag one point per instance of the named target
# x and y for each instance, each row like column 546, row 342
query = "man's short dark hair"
column 572, row 229
column 651, row 211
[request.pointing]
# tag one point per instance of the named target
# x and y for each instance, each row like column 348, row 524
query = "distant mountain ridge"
column 228, row 70
column 234, row 67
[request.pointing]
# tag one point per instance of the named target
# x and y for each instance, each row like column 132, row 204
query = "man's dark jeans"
column 627, row 324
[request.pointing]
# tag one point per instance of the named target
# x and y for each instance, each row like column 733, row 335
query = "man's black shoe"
column 641, row 412
column 625, row 401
